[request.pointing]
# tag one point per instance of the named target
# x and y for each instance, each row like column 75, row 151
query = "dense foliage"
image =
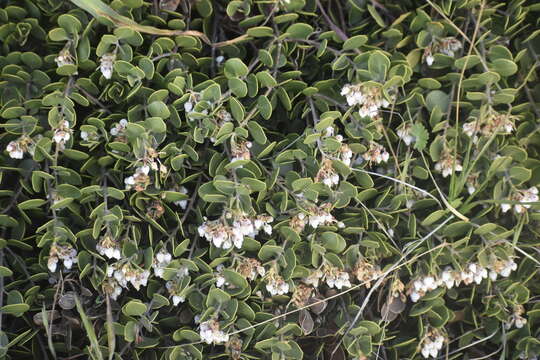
column 195, row 179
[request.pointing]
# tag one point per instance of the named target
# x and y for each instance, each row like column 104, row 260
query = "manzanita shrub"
column 285, row 179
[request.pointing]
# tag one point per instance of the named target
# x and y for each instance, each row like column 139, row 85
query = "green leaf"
column 69, row 23
column 155, row 124
column 299, row 31
column 333, row 242
column 159, row 109
column 134, row 308
column 503, row 67
column 467, row 61
column 237, row 109
column 217, row 297
column 4, row 271
column 437, row 99
column 421, row 136
column 235, row 68
column 378, row 65
column 260, row 31
column 375, row 15
column 257, row 132
column 238, row 87
column 355, row 42
column 254, row 184
column 264, row 106
column 31, row 204
column 15, row 309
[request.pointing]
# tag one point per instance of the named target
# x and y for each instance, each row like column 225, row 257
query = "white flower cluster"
column 345, row 154
column 492, row 123
column 64, row 57
column 474, row 272
column 250, row 269
column 127, row 273
column 523, row 196
column 240, row 150
column 89, row 136
column 189, row 105
column 376, row 153
column 320, row 215
column 106, row 64
column 139, row 180
column 338, row 279
column 220, row 278
column 161, row 261
column 275, row 284
column 119, row 128
column 109, row 248
column 66, row 253
column 173, row 286
column 516, row 319
column 224, row 236
column 111, row 286
column 182, row 203
column 446, row 163
column 333, row 276
column 211, row 334
column 326, row 174
column 404, row 133
column 369, row 98
column 298, row 222
column 62, row 133
column 447, row 46
column 17, row 148
column 432, row 345
column 177, row 299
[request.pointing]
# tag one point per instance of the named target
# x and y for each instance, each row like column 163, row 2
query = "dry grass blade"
column 94, row 349
column 111, row 339
column 48, row 332
column 99, row 9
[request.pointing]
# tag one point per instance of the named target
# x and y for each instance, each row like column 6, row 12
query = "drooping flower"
column 448, row 163
column 65, row 253
column 376, row 153
column 523, row 197
column 369, row 98
column 161, row 261
column 17, row 148
column 108, row 247
column 211, row 333
column 404, row 133
column 432, row 344
column 275, row 284
column 106, row 64
column 231, row 229
column 64, row 57
column 62, row 133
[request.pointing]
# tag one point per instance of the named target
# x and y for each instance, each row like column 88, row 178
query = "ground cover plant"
column 317, row 179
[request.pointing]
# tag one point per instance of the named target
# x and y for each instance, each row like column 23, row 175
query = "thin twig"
column 92, row 98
